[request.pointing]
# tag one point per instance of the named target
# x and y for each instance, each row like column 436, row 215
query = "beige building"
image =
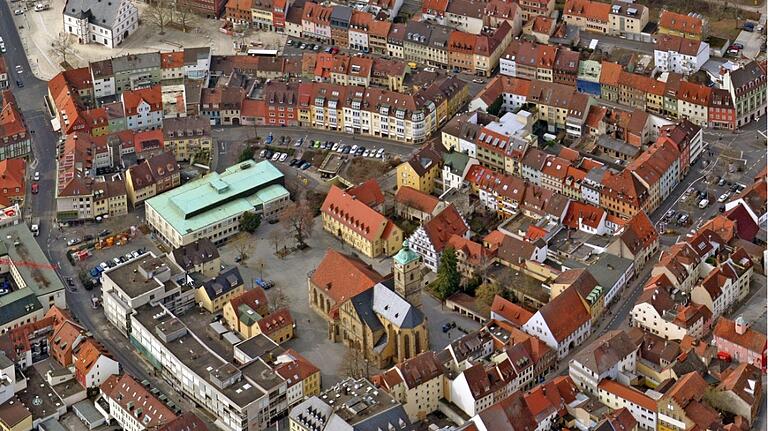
column 213, row 293
column 189, row 138
column 151, row 177
column 627, row 18
column 417, row 384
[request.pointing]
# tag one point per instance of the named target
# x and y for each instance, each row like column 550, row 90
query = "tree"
column 485, row 294
column 276, row 237
column 250, row 222
column 246, row 154
column 495, row 107
column 448, row 278
column 159, row 14
column 63, row 46
column 243, row 246
column 355, row 364
column 279, row 299
column 298, row 218
column 184, row 16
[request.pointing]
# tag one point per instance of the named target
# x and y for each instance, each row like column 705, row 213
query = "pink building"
column 740, row 342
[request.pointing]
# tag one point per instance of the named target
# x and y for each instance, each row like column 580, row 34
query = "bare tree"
column 63, row 46
column 184, row 16
column 159, row 13
column 299, row 219
column 276, row 238
column 279, row 299
column 355, row 364
column 243, row 246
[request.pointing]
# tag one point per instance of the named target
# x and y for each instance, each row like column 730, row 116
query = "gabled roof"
column 474, row 252
column 743, row 380
column 342, row 277
column 440, row 228
column 416, row 199
column 627, row 393
column 679, row 22
column 275, row 321
column 606, row 352
column 133, row 98
column 510, row 311
column 88, row 352
column 355, row 215
column 186, row 422
column 424, row 160
column 639, row 233
column 131, row 396
column 420, row 369
column 564, row 314
column 751, row 340
column 368, row 193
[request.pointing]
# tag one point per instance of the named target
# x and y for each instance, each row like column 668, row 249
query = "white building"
column 562, row 324
column 93, row 364
column 612, row 356
column 643, row 406
column 145, row 280
column 680, row 55
column 430, row 239
column 131, row 405
column 107, row 23
column 143, row 108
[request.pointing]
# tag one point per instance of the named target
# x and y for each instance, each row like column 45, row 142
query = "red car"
column 35, row 188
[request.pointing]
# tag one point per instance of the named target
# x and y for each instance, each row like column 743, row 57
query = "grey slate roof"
column 606, row 351
column 226, row 281
column 608, row 269
column 129, row 63
column 394, row 308
column 12, row 310
column 456, row 161
column 100, row 12
column 196, row 253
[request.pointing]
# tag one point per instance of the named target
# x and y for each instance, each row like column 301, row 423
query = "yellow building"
column 243, row 312
column 358, row 225
column 299, row 371
column 627, row 18
column 188, row 138
column 421, row 171
column 585, row 285
column 383, row 326
column 215, row 292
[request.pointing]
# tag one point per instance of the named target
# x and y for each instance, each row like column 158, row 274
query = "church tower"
column 407, row 270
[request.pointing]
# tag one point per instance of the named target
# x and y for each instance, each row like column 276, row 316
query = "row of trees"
column 161, row 13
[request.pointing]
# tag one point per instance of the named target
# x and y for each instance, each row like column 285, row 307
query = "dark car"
column 19, row 83
column 346, row 149
column 105, row 232
column 294, row 162
column 305, row 166
column 88, row 238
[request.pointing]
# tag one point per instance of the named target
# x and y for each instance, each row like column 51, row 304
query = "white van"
column 704, row 203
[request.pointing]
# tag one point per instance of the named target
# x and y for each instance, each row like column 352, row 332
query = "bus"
column 253, row 52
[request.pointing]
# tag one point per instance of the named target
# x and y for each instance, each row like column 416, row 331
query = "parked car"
column 303, row 46
column 73, row 241
column 335, row 146
column 262, row 153
column 18, row 12
column 721, row 182
column 703, row 203
column 334, row 50
column 35, row 188
column 37, row 176
column 105, row 232
column 724, row 197
column 305, row 166
column 276, row 156
column 683, row 219
column 284, row 157
column 346, row 149
column 293, row 162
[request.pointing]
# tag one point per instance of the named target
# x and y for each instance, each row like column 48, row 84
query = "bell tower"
column 407, row 269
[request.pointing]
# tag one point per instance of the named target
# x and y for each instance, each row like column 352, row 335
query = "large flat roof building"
column 29, row 286
column 211, row 206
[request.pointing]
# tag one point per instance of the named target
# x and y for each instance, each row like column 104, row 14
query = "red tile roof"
column 510, row 311
column 88, row 352
column 751, row 340
column 679, row 22
column 565, row 313
column 626, row 393
column 440, row 228
column 186, row 422
column 355, row 215
column 297, row 369
column 639, row 233
column 254, row 298
column 475, row 252
column 133, row 98
column 416, row 199
column 125, row 391
column 368, row 193
column 275, row 321
column 341, row 277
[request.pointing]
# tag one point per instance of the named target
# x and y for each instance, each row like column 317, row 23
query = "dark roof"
column 196, row 253
column 19, row 308
column 186, row 422
column 424, row 160
column 226, row 281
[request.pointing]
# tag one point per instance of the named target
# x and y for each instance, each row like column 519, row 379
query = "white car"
column 723, row 197
column 73, row 241
column 354, row 148
column 381, row 151
column 37, row 176
column 19, row 69
column 704, row 203
column 18, row 12
column 283, row 157
column 276, row 157
column 262, row 153
column 335, row 146
column 366, row 153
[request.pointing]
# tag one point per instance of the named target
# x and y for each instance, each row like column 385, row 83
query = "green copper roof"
column 247, row 315
column 406, row 255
